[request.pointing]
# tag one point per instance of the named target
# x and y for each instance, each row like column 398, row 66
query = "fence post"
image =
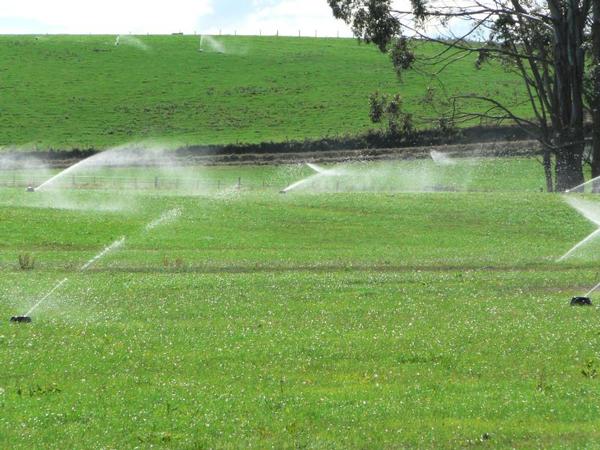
column 218, row 184
column 239, row 182
column 73, row 180
column 155, row 182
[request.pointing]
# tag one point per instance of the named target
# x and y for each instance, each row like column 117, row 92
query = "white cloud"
column 107, row 16
column 167, row 16
column 289, row 16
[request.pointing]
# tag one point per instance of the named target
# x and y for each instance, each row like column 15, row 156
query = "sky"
column 252, row 17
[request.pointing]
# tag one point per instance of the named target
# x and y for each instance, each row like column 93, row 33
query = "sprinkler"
column 581, row 301
column 283, row 191
column 21, row 319
column 30, row 188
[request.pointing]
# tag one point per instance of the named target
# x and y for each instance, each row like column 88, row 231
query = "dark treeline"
column 369, row 140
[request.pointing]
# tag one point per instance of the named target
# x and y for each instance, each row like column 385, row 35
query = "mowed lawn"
column 318, row 320
column 66, row 92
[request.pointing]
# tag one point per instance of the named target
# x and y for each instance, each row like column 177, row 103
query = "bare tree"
column 543, row 41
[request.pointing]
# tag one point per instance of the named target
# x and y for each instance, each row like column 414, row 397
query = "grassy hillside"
column 306, row 320
column 84, row 91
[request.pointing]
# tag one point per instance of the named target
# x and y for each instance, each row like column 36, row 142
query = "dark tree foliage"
column 371, row 20
column 550, row 44
column 399, row 123
column 376, row 107
column 402, row 55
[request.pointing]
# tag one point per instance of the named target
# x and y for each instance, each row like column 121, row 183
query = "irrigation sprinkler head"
column 30, row 188
column 581, row 301
column 283, row 191
column 20, row 319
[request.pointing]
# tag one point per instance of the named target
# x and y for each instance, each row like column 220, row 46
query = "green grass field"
column 314, row 319
column 67, row 92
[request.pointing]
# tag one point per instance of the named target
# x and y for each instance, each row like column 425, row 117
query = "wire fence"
column 136, row 183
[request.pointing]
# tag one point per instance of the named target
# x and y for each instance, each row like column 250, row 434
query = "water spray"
column 585, row 300
column 166, row 217
column 592, row 290
column 441, row 159
column 212, row 43
column 587, row 210
column 319, row 171
column 316, row 168
column 580, row 244
column 103, row 253
column 26, row 318
column 296, row 184
column 591, row 213
column 582, row 185
column 164, row 164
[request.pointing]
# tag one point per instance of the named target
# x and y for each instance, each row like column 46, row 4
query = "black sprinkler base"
column 581, row 301
column 21, row 319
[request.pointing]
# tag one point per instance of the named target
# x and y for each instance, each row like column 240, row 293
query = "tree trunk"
column 548, row 170
column 568, row 74
column 569, row 164
column 596, row 146
column 595, row 94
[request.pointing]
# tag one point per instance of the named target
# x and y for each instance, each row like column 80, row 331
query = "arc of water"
column 169, row 215
column 328, row 172
column 109, row 157
column 593, row 289
column 583, row 185
column 299, row 183
column 108, row 249
column 586, row 210
column 316, row 168
column 580, row 244
column 34, row 307
column 441, row 158
column 85, row 266
column 69, row 169
column 319, row 171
